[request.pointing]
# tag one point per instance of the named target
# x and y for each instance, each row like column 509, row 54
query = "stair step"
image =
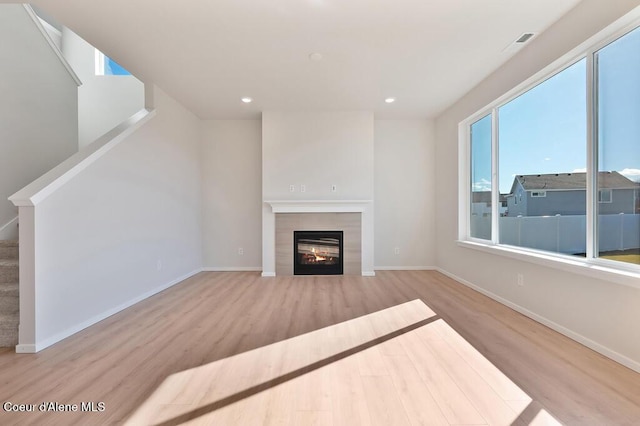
column 9, row 289
column 8, row 330
column 8, row 249
column 9, row 272
column 9, row 293
column 9, row 299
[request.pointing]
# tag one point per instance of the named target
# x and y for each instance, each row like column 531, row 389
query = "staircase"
column 9, row 302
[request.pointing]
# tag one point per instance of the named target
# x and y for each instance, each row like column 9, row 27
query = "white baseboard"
column 364, row 274
column 30, row 348
column 405, row 268
column 9, row 231
column 232, row 268
column 609, row 353
column 26, row 349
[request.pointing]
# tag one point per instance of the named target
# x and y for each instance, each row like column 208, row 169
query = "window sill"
column 598, row 269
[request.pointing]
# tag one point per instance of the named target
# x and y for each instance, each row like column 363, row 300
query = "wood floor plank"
column 370, row 362
column 313, row 391
column 280, row 405
column 348, row 402
column 419, row 404
column 457, row 408
column 488, row 403
column 312, row 418
column 385, row 407
column 500, row 383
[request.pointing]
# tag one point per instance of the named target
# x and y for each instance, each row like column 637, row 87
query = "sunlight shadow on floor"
column 400, row 365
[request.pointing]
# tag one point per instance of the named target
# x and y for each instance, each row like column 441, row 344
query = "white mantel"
column 271, row 208
column 319, row 206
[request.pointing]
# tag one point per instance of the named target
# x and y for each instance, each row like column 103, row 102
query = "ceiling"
column 209, row 54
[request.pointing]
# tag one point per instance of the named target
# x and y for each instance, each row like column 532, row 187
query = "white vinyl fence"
column 619, row 232
column 562, row 234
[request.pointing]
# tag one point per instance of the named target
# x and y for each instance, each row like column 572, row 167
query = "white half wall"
column 405, row 194
column 125, row 227
column 598, row 313
column 232, row 194
column 104, row 101
column 38, row 107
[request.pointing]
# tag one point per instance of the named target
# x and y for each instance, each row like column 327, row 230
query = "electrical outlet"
column 520, row 280
column 292, row 188
column 303, row 188
column 241, row 251
column 396, row 250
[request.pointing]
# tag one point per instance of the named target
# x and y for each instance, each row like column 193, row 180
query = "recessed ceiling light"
column 247, row 100
column 390, row 100
column 315, row 57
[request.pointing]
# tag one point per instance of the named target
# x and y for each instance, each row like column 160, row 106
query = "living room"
column 199, row 191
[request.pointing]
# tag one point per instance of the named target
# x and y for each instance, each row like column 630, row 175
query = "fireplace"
column 317, row 253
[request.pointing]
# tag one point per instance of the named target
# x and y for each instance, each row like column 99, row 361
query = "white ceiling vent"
column 524, row 38
column 519, row 42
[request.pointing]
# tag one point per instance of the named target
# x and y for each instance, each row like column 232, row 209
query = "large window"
column 565, row 181
column 542, row 163
column 618, row 119
column 480, row 226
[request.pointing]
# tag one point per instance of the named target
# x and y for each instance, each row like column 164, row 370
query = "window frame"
column 470, row 192
column 603, row 191
column 591, row 265
column 100, row 62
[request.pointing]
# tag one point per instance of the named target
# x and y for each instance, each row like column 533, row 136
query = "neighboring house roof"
column 481, row 196
column 485, row 197
column 572, row 181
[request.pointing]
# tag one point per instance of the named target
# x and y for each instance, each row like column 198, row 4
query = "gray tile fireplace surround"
column 349, row 223
column 281, row 217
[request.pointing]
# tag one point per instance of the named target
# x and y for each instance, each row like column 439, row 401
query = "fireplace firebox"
column 317, row 253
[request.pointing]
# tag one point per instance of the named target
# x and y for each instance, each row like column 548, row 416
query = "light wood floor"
column 402, row 348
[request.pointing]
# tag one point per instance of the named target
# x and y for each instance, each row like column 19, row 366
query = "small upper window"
column 604, row 196
column 538, row 194
column 107, row 66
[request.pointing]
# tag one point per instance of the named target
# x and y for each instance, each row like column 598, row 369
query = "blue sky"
column 619, row 98
column 544, row 130
column 113, row 68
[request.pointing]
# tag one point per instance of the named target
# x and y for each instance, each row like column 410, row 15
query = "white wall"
column 404, row 182
column 125, row 227
column 404, row 194
column 596, row 312
column 232, row 194
column 38, row 107
column 54, row 33
column 317, row 149
column 103, row 101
